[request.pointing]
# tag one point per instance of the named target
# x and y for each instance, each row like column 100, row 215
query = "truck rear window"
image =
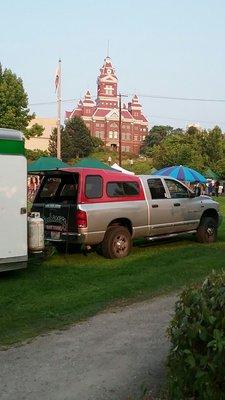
column 119, row 189
column 61, row 189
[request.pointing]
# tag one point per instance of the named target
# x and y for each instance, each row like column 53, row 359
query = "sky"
column 173, row 48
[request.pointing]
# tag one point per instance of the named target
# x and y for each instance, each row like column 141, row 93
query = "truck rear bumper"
column 67, row 238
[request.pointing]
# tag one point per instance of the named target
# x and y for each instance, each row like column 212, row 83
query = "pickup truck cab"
column 110, row 209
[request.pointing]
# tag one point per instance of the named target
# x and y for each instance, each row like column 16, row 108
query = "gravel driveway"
column 109, row 357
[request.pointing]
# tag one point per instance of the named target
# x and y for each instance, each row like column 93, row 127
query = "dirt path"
column 108, row 357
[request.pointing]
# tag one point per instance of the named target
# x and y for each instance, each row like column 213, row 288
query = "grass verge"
column 69, row 288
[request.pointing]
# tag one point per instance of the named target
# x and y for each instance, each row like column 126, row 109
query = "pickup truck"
column 110, row 209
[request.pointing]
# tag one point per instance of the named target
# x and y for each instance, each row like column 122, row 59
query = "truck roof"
column 109, row 174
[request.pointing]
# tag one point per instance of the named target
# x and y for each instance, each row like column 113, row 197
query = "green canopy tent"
column 209, row 174
column 45, row 164
column 92, row 163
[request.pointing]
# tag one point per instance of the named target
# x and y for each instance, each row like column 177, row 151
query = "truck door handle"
column 176, row 204
column 155, row 205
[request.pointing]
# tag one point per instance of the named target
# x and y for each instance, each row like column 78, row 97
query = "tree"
column 196, row 148
column 32, row 155
column 14, row 111
column 35, row 130
column 76, row 140
column 98, row 144
column 156, row 134
column 178, row 149
column 214, row 147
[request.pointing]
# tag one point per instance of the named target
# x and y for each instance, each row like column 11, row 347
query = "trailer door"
column 13, row 205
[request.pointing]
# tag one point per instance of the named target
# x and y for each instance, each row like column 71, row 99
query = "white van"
column 13, row 201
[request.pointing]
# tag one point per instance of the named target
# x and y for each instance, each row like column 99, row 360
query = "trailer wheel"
column 117, row 242
column 207, row 230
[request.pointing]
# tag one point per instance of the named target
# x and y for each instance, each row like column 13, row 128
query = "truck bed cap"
column 10, row 134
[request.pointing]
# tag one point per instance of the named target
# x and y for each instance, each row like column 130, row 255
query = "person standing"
column 197, row 189
column 216, row 186
column 210, row 188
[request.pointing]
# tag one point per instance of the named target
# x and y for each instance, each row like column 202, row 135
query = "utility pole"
column 120, row 127
column 120, row 131
column 59, row 100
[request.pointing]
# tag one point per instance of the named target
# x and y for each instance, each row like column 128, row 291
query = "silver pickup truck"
column 110, row 209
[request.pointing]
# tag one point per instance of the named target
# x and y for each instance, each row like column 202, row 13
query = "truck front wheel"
column 117, row 242
column 207, row 230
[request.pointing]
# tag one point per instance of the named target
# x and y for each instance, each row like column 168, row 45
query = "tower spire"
column 108, row 48
column 107, row 85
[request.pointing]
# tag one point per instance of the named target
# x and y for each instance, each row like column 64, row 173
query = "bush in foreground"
column 196, row 364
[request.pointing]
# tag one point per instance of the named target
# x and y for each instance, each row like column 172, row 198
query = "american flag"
column 57, row 77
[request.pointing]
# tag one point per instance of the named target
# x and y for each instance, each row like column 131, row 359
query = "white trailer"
column 13, row 201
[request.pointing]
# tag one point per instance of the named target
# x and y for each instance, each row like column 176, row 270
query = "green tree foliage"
column 197, row 332
column 198, row 149
column 76, row 140
column 179, row 149
column 32, row 155
column 214, row 146
column 156, row 134
column 98, row 144
column 52, row 145
column 35, row 130
column 14, row 111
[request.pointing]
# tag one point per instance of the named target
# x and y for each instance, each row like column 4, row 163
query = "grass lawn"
column 67, row 288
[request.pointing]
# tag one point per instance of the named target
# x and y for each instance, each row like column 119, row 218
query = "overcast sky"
column 172, row 48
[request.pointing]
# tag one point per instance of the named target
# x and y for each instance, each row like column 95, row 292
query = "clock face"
column 109, row 71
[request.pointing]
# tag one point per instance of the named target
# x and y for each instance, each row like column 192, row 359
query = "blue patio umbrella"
column 181, row 173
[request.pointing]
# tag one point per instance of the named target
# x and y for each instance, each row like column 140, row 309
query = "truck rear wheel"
column 117, row 242
column 207, row 230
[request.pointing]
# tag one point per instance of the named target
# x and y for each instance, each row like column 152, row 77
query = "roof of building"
column 126, row 114
column 100, row 112
column 10, row 134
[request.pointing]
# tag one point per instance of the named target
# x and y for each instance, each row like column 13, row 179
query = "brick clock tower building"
column 102, row 116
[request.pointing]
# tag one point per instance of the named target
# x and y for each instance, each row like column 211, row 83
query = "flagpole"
column 59, row 114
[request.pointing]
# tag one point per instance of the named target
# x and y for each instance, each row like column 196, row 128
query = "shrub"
column 196, row 363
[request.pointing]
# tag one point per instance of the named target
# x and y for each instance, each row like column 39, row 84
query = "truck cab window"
column 118, row 189
column 176, row 189
column 156, row 188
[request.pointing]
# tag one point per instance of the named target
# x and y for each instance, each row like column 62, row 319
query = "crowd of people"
column 33, row 183
column 211, row 188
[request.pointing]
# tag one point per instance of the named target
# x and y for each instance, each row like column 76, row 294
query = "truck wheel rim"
column 120, row 244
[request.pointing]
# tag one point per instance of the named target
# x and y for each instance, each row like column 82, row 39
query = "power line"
column 52, row 102
column 186, row 119
column 199, row 99
column 179, row 98
column 152, row 97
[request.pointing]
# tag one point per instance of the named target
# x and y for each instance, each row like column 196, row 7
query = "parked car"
column 110, row 209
